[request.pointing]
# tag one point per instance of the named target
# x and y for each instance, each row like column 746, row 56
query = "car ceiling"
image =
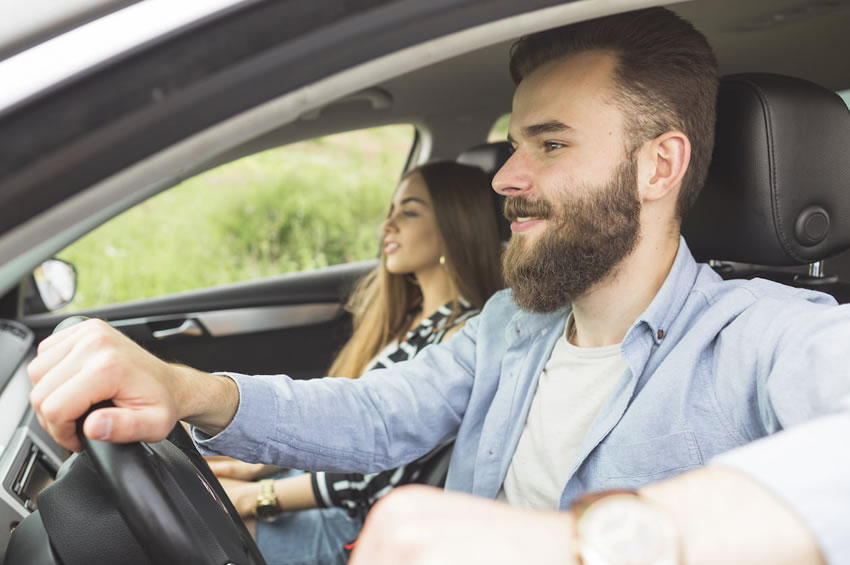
column 457, row 100
column 24, row 24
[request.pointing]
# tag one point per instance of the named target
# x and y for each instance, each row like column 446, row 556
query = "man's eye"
column 552, row 145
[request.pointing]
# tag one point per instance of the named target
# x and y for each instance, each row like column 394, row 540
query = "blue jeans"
column 308, row 537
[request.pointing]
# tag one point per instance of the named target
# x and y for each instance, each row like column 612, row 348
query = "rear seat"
column 491, row 157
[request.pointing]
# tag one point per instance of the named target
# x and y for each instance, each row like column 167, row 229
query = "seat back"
column 435, row 465
column 778, row 189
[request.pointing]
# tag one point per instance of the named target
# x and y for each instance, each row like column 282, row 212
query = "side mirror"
column 52, row 286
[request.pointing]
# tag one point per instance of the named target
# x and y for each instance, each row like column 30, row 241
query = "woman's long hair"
column 382, row 302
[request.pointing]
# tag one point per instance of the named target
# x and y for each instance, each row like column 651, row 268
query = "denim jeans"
column 308, row 537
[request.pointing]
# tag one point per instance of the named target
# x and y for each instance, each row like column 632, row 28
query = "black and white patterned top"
column 357, row 492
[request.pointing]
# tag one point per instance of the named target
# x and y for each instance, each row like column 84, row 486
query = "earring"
column 443, row 260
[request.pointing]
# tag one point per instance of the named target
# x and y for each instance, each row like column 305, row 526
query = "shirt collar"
column 525, row 324
column 670, row 298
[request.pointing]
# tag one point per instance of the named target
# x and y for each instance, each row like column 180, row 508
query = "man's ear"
column 663, row 163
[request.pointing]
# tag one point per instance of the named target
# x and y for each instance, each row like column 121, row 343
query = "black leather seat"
column 778, row 189
column 435, row 465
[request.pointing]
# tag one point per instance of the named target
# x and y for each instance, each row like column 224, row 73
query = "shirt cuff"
column 808, row 468
column 240, row 439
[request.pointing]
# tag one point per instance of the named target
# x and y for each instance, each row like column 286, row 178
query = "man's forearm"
column 204, row 400
column 723, row 516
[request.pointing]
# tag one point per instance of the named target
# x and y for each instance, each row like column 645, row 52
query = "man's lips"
column 524, row 223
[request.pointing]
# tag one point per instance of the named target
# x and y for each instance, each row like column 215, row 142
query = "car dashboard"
column 29, row 458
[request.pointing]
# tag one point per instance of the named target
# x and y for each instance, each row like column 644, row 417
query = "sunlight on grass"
column 299, row 207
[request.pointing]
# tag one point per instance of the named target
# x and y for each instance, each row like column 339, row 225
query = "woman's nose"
column 388, row 225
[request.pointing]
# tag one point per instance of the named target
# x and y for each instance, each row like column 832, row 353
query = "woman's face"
column 411, row 238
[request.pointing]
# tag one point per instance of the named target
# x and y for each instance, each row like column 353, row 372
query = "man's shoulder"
column 500, row 300
column 502, row 305
column 754, row 292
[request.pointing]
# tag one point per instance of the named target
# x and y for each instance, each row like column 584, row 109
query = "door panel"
column 291, row 324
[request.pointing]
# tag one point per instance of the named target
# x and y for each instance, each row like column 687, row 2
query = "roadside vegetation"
column 304, row 206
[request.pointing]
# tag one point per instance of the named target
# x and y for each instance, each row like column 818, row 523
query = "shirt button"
column 660, row 334
column 544, row 331
column 491, row 452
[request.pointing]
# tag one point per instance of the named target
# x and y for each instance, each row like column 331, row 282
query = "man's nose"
column 514, row 177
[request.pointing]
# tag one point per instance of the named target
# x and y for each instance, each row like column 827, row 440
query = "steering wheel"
column 169, row 498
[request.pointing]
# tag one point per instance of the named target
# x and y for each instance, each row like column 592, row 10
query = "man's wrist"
column 619, row 527
column 207, row 401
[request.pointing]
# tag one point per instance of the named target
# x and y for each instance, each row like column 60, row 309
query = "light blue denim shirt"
column 712, row 366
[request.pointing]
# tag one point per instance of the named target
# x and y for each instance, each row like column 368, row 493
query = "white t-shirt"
column 574, row 385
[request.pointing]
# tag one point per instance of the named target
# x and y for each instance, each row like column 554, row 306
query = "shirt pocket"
column 632, row 464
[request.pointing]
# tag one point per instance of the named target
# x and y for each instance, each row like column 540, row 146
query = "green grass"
column 300, row 207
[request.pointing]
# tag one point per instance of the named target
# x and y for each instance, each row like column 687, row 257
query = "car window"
column 499, row 131
column 845, row 94
column 303, row 206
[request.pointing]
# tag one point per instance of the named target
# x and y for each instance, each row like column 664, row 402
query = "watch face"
column 267, row 512
column 624, row 530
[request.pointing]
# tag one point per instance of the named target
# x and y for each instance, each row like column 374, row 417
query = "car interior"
column 133, row 126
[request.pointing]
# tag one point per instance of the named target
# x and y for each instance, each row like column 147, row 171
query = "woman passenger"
column 439, row 263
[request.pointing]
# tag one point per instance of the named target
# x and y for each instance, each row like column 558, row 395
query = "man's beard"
column 588, row 236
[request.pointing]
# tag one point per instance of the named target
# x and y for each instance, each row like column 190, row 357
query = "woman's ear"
column 662, row 164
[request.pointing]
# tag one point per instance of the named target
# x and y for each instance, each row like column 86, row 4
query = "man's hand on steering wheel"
column 91, row 362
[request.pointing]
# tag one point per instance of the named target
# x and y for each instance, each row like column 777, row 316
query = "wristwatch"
column 618, row 527
column 267, row 508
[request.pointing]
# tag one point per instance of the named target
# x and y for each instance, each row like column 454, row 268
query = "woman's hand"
column 229, row 468
column 243, row 495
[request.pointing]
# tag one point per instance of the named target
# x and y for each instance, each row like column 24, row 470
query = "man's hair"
column 665, row 78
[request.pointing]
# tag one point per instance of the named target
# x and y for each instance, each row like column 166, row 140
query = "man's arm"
column 384, row 419
column 270, row 419
column 91, row 362
column 782, row 499
column 722, row 516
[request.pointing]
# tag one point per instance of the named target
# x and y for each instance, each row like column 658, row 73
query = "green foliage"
column 303, row 206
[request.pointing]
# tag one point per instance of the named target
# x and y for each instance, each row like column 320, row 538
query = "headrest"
column 778, row 189
column 491, row 157
column 488, row 156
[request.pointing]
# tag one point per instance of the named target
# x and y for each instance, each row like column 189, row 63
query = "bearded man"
column 614, row 361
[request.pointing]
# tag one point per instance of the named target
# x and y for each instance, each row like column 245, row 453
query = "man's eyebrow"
column 552, row 126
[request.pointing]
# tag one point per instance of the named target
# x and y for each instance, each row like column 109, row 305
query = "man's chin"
column 537, row 301
column 524, row 240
